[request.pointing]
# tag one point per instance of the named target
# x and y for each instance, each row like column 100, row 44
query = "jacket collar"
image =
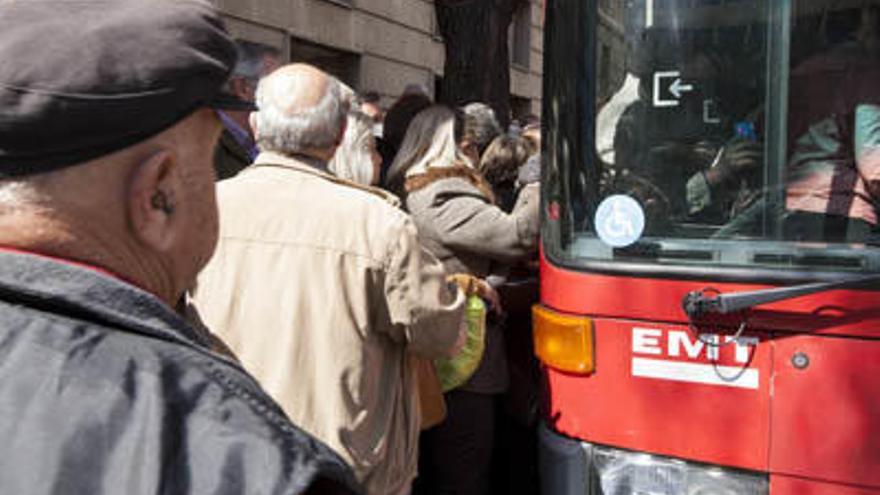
column 300, row 163
column 71, row 290
column 242, row 138
column 435, row 174
column 315, row 167
column 233, row 147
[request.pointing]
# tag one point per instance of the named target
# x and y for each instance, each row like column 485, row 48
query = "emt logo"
column 677, row 355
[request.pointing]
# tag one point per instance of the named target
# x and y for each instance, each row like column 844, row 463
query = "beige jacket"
column 322, row 290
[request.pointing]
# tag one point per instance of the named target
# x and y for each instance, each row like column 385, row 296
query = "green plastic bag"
column 454, row 372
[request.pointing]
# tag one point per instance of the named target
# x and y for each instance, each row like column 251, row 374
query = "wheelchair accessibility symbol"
column 620, row 221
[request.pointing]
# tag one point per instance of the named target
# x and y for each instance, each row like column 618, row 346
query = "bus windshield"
column 740, row 133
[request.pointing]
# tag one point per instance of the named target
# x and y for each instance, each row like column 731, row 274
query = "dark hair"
column 458, row 124
column 500, row 165
column 841, row 25
column 250, row 58
column 400, row 115
column 503, row 158
column 397, row 121
column 370, row 97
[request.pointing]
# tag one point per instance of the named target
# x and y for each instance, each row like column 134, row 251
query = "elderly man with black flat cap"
column 107, row 213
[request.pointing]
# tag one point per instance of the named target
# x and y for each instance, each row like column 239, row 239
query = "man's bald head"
column 296, row 88
column 301, row 111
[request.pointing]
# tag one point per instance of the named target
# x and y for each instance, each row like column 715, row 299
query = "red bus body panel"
column 815, row 426
column 715, row 424
column 826, row 417
column 788, row 485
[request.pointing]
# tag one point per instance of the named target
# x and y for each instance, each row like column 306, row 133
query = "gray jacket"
column 459, row 223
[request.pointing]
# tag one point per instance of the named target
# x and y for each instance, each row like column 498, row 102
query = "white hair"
column 480, row 125
column 353, row 160
column 429, row 143
column 314, row 128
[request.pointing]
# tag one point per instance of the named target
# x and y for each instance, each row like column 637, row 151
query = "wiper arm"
column 699, row 303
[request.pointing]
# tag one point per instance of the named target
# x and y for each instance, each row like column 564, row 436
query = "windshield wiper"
column 700, row 303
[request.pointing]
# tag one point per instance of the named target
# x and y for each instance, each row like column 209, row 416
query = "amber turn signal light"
column 562, row 341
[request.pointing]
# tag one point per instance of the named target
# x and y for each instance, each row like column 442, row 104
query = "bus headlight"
column 563, row 341
column 622, row 472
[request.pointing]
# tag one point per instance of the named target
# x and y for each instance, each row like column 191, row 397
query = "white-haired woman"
column 358, row 161
column 356, row 157
column 458, row 221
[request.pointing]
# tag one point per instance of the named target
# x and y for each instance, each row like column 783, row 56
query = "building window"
column 520, row 37
column 344, row 65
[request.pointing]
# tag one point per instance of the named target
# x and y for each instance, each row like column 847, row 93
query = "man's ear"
column 155, row 191
column 252, row 120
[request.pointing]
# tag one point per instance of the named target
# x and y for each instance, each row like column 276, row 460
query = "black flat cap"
column 83, row 78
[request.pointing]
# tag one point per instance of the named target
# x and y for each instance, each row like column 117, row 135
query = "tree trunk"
column 477, row 60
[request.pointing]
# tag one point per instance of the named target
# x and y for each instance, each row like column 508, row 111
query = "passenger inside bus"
column 833, row 168
column 695, row 161
column 833, row 173
column 685, row 163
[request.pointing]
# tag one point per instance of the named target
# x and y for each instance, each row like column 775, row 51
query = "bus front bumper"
column 573, row 467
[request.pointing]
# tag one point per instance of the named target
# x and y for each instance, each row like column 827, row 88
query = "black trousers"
column 455, row 457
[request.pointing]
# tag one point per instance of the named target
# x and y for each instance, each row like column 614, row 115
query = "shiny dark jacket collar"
column 96, row 373
column 56, row 286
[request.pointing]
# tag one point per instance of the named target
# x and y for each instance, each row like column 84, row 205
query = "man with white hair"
column 321, row 288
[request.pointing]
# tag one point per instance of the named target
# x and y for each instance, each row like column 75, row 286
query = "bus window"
column 738, row 133
column 833, row 169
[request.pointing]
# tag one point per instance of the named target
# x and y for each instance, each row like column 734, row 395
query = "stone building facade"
column 381, row 45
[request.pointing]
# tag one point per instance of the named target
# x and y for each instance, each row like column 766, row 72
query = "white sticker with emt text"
column 676, row 355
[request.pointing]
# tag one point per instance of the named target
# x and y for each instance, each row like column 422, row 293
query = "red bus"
column 709, row 319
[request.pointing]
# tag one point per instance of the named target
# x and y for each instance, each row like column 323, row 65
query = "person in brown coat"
column 453, row 207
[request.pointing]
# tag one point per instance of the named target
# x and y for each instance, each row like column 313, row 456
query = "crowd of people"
column 273, row 332
column 339, row 310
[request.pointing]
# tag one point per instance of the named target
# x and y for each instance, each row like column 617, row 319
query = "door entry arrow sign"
column 678, row 88
column 663, row 89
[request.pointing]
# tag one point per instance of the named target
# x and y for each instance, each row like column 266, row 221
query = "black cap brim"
column 228, row 101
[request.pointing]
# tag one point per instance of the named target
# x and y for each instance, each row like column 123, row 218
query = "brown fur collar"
column 433, row 174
